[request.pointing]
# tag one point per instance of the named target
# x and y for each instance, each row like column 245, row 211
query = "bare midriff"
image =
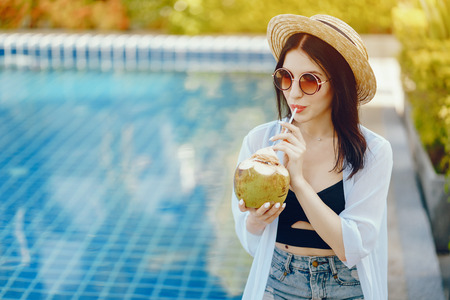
column 305, row 251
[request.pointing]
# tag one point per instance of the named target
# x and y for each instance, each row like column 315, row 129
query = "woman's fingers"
column 290, row 127
column 267, row 213
column 275, row 211
column 242, row 206
column 288, row 136
column 292, row 151
column 294, row 136
column 263, row 209
column 293, row 129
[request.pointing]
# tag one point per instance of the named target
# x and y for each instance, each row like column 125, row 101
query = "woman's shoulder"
column 378, row 157
column 374, row 140
column 259, row 136
column 379, row 148
column 266, row 127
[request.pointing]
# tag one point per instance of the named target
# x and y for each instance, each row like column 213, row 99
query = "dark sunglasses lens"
column 309, row 84
column 282, row 79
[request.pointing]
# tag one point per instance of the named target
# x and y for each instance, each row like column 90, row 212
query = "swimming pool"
column 117, row 185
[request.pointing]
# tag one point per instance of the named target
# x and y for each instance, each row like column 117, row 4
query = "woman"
column 329, row 238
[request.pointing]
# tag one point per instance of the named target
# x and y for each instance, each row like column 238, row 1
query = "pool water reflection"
column 118, row 185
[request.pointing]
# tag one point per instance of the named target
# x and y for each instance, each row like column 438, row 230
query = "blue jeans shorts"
column 311, row 277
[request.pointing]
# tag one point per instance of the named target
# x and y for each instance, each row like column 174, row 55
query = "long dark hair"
column 351, row 144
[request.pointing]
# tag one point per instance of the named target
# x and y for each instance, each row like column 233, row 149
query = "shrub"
column 13, row 13
column 67, row 14
column 252, row 16
column 424, row 31
column 188, row 16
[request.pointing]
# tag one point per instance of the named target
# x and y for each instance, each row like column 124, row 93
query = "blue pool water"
column 117, row 185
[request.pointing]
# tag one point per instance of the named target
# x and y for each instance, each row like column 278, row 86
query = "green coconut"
column 261, row 178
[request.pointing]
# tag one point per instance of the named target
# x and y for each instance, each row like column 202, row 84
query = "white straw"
column 291, row 119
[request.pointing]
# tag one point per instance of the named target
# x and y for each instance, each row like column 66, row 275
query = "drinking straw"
column 291, row 119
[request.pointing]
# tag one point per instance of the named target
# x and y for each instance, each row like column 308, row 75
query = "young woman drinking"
column 329, row 238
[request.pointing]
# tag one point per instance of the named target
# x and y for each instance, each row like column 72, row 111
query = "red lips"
column 300, row 108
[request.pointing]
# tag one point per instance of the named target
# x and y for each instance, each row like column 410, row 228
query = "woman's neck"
column 317, row 130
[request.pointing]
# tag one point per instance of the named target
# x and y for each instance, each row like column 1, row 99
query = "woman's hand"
column 293, row 145
column 259, row 218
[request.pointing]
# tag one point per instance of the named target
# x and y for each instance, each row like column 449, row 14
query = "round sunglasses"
column 309, row 83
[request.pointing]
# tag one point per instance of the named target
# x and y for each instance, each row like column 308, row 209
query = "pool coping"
column 142, row 52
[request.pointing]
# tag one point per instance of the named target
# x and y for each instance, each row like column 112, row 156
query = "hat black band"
column 338, row 30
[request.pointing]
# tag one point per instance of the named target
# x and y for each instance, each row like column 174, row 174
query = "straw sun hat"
column 336, row 33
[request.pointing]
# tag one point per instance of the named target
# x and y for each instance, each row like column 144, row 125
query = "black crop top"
column 332, row 196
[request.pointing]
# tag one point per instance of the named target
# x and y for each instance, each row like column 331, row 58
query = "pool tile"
column 90, row 205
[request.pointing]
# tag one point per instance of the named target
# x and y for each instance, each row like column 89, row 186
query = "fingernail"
column 277, row 205
column 267, row 205
column 284, row 205
column 271, row 139
column 241, row 202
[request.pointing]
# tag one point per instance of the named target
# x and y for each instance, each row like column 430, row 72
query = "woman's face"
column 316, row 107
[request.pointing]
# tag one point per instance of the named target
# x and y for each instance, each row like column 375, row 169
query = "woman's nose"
column 296, row 91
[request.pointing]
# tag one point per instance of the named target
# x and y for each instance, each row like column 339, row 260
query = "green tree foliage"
column 188, row 16
column 66, row 14
column 252, row 16
column 423, row 28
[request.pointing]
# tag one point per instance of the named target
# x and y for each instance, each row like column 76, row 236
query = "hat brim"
column 340, row 37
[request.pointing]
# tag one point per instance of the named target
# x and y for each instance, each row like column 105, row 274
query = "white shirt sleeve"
column 248, row 240
column 256, row 139
column 366, row 204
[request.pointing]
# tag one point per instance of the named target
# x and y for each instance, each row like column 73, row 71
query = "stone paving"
column 416, row 271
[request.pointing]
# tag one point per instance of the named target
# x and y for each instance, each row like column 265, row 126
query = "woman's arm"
column 322, row 218
column 354, row 232
column 366, row 203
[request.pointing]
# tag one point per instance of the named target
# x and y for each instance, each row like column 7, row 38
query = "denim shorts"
column 311, row 277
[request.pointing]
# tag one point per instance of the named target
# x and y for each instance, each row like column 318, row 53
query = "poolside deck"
column 414, row 266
